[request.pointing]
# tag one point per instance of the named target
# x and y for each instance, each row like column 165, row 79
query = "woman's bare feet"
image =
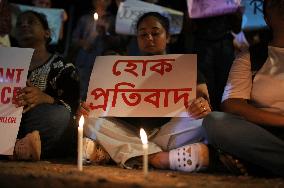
column 160, row 160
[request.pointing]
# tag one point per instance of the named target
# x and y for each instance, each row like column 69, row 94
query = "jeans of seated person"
column 256, row 145
column 50, row 120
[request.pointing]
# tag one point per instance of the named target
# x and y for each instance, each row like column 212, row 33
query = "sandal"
column 189, row 158
column 93, row 152
column 234, row 165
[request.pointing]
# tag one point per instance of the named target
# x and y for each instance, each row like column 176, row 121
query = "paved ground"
column 45, row 174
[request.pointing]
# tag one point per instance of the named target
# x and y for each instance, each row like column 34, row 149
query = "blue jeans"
column 256, row 145
column 50, row 120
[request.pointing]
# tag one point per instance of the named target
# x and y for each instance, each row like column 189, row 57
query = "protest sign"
column 14, row 65
column 253, row 15
column 209, row 8
column 142, row 86
column 53, row 16
column 130, row 10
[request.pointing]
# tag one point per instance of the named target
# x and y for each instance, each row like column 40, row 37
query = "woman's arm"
column 255, row 115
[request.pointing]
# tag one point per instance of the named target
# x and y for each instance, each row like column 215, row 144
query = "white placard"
column 53, row 16
column 142, row 86
column 14, row 65
column 130, row 10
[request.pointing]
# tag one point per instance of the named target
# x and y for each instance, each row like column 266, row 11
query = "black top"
column 58, row 79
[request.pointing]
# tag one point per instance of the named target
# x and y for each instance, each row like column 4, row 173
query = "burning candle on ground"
column 80, row 144
column 144, row 140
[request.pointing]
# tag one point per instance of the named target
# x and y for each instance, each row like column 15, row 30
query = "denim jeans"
column 256, row 145
column 50, row 120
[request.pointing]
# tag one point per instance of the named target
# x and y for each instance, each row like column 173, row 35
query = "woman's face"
column 30, row 31
column 152, row 37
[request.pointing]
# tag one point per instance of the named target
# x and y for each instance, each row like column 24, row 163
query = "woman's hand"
column 199, row 108
column 83, row 110
column 31, row 96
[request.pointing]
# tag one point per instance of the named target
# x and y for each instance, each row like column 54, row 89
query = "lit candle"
column 144, row 140
column 80, row 144
column 96, row 16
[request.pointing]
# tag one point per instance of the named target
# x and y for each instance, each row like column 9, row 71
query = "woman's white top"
column 266, row 90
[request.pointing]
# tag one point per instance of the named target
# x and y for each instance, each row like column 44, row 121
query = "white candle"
column 80, row 144
column 96, row 17
column 144, row 140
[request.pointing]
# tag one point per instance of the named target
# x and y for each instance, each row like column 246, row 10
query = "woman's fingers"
column 199, row 108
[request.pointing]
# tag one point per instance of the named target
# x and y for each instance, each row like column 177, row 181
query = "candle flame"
column 96, row 16
column 81, row 121
column 143, row 136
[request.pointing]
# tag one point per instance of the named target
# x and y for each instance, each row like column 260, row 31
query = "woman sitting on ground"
column 119, row 137
column 51, row 96
column 253, row 127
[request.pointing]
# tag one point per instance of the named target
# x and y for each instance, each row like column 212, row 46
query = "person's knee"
column 59, row 116
column 55, row 117
column 215, row 125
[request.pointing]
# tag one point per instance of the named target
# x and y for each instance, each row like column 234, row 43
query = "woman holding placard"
column 51, row 95
column 168, row 137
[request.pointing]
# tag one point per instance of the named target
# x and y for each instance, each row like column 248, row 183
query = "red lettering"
column 10, row 75
column 160, row 66
column 7, row 94
column 4, row 99
column 15, row 93
column 132, row 97
column 19, row 72
column 8, row 119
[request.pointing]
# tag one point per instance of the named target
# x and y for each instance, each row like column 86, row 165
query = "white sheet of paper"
column 142, row 86
column 14, row 65
column 130, row 10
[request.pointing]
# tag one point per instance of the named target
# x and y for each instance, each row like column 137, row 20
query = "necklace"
column 37, row 65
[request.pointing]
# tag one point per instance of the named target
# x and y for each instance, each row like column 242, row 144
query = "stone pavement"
column 46, row 174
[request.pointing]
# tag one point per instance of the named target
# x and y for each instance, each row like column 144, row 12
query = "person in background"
column 51, row 96
column 175, row 143
column 251, row 128
column 213, row 44
column 87, row 42
column 5, row 23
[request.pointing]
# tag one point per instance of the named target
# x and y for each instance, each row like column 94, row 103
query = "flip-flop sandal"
column 234, row 165
column 189, row 158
